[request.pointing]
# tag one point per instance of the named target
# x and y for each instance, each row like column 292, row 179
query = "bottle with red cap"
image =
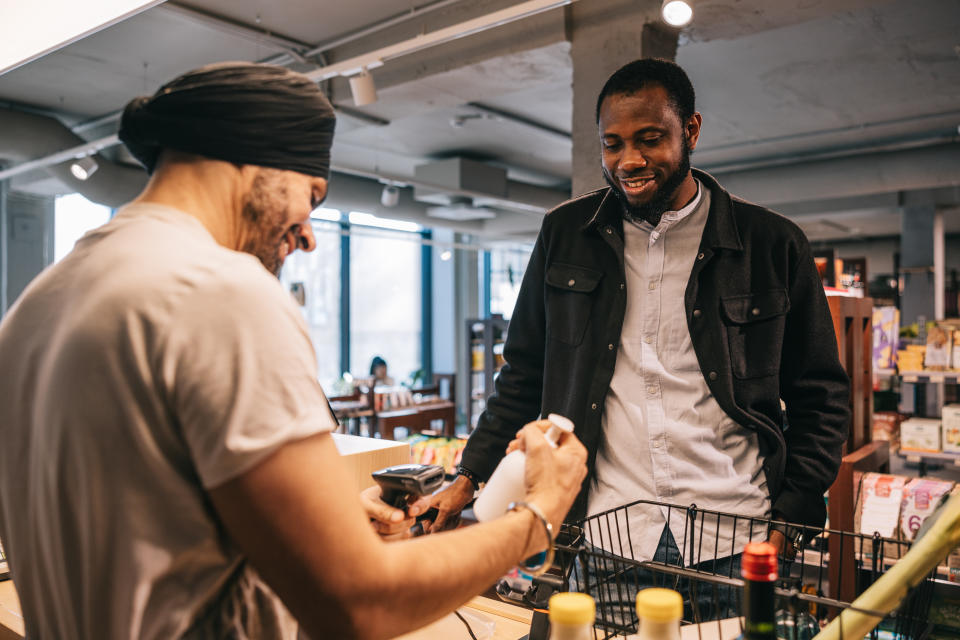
column 759, row 571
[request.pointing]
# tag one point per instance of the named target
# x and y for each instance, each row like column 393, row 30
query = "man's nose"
column 633, row 158
column 306, row 241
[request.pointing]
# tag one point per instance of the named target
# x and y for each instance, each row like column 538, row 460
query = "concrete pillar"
column 26, row 247
column 922, row 263
column 605, row 35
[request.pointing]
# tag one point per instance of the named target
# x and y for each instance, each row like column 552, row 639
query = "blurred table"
column 418, row 417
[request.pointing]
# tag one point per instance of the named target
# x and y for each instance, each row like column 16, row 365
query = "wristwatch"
column 469, row 475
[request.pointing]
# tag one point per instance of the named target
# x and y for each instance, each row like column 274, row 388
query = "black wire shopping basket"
column 602, row 556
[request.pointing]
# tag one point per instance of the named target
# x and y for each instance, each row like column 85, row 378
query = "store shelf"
column 950, row 377
column 918, row 457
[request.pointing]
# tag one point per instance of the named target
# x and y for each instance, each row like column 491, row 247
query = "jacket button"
column 700, row 257
column 755, row 311
column 697, row 313
column 623, row 286
column 610, row 347
column 594, row 406
column 712, row 375
column 571, row 282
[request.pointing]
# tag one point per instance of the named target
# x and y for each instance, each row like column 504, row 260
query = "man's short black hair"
column 636, row 75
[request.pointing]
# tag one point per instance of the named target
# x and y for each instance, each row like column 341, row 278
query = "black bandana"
column 238, row 112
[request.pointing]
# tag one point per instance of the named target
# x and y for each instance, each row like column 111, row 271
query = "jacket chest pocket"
column 755, row 326
column 569, row 301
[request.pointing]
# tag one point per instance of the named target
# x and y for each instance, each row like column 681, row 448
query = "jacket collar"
column 720, row 231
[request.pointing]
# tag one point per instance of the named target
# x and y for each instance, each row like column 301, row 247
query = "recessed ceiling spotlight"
column 83, row 168
column 676, row 13
column 446, row 255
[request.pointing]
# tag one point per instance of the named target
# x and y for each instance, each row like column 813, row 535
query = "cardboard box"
column 939, row 346
column 920, row 434
column 951, row 428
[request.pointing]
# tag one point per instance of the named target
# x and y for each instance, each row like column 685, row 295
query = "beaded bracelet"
column 541, row 568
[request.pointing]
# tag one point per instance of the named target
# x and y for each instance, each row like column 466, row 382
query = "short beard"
column 662, row 200
column 262, row 213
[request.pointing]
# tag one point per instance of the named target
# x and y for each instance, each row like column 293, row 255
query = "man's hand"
column 784, row 547
column 449, row 503
column 391, row 524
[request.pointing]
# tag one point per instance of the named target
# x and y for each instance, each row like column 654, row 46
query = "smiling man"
column 668, row 320
column 166, row 464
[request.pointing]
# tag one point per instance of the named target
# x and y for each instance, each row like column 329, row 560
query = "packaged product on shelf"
column 939, row 345
column 886, row 329
column 951, row 428
column 920, row 434
column 921, row 497
column 886, row 426
column 955, row 365
column 911, row 357
column 879, row 504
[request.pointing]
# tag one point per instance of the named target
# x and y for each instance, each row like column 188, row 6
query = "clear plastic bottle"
column 659, row 612
column 571, row 616
column 506, row 485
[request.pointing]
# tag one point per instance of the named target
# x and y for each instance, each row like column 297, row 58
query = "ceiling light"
column 83, row 168
column 390, row 196
column 446, row 255
column 362, row 87
column 676, row 13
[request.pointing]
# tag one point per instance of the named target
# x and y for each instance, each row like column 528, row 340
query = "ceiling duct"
column 458, row 174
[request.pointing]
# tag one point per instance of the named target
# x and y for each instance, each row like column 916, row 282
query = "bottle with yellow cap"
column 659, row 612
column 571, row 616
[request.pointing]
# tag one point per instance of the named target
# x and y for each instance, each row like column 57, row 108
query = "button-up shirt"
column 665, row 437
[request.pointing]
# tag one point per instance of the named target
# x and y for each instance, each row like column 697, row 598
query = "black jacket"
column 758, row 320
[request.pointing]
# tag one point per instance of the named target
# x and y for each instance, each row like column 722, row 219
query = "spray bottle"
column 507, row 485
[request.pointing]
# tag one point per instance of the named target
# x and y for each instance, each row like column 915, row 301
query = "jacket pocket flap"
column 755, row 306
column 572, row 278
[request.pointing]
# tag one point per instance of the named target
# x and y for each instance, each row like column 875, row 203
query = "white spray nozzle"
column 558, row 425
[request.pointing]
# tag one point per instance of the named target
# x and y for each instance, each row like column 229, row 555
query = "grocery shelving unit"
column 485, row 338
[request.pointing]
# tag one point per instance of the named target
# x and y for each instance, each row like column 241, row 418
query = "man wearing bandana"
column 166, row 468
column 669, row 320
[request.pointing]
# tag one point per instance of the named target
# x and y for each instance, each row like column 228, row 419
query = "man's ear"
column 692, row 129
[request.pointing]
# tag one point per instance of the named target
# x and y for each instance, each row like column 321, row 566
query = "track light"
column 676, row 13
column 362, row 87
column 83, row 168
column 390, row 196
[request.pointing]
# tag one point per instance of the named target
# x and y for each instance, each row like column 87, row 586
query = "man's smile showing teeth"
column 637, row 184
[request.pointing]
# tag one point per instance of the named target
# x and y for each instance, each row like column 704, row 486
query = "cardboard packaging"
column 886, row 426
column 886, row 330
column 920, row 434
column 951, row 428
column 939, row 346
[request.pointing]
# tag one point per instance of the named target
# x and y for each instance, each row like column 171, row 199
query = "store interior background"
column 841, row 114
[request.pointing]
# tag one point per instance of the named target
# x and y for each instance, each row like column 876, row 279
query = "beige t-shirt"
column 150, row 364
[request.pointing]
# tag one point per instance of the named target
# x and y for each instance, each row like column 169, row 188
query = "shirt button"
column 652, row 286
column 755, row 311
column 594, row 406
column 652, row 390
column 697, row 313
column 571, row 282
column 610, row 347
column 712, row 375
column 622, row 286
column 700, row 257
column 648, row 339
column 609, row 230
column 656, row 444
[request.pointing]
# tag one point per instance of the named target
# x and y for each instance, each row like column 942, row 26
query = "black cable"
column 464, row 621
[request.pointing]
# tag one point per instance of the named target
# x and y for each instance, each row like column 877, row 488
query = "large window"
column 74, row 215
column 385, row 295
column 507, row 265
column 317, row 275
